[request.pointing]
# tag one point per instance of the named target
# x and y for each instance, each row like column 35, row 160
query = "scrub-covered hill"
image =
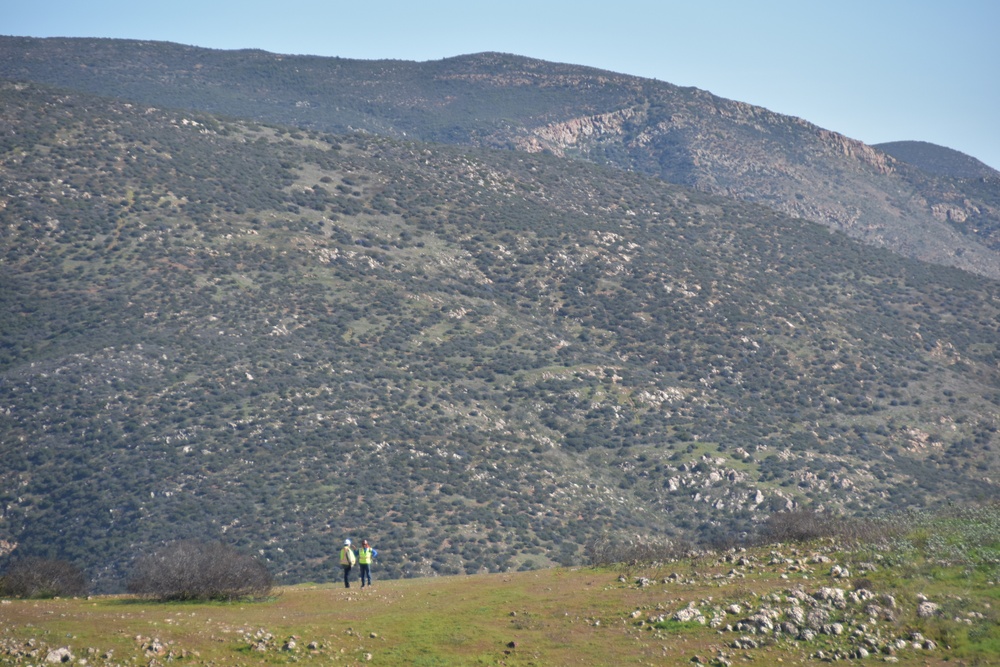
column 682, row 135
column 482, row 360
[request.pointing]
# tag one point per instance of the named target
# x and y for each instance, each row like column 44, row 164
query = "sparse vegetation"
column 925, row 595
column 631, row 553
column 192, row 570
column 480, row 360
column 42, row 578
column 746, row 153
column 803, row 525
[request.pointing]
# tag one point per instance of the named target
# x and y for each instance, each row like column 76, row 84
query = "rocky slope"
column 215, row 328
column 683, row 135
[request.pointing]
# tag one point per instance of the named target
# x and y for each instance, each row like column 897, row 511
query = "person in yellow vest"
column 365, row 556
column 347, row 561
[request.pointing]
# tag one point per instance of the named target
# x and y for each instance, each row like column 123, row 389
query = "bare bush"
column 42, row 578
column 607, row 550
column 803, row 525
column 797, row 526
column 193, row 570
column 601, row 551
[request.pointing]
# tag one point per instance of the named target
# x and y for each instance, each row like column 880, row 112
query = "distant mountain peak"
column 939, row 160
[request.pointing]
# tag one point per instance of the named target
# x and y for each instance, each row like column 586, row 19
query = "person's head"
column 347, row 543
column 364, row 543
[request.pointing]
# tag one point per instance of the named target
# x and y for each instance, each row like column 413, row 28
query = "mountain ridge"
column 683, row 135
column 938, row 159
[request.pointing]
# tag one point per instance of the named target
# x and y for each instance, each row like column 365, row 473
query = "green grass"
column 558, row 616
column 552, row 617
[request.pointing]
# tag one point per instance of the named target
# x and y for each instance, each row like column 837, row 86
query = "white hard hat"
column 347, row 543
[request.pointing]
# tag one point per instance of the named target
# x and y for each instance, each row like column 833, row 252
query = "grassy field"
column 565, row 616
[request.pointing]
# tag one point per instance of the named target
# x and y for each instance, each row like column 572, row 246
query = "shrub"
column 862, row 583
column 608, row 550
column 42, row 578
column 804, row 525
column 193, row 570
column 797, row 526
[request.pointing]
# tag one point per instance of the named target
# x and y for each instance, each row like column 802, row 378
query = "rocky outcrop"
column 856, row 150
column 575, row 133
column 749, row 153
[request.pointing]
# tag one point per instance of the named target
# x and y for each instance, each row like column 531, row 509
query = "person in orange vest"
column 347, row 561
column 365, row 556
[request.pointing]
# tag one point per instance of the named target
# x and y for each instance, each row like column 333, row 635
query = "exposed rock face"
column 746, row 152
column 953, row 213
column 558, row 137
column 6, row 547
column 854, row 149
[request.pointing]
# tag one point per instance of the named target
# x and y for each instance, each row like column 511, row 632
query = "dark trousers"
column 366, row 573
column 347, row 571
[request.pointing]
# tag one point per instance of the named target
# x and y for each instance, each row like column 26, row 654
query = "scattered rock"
column 816, row 618
column 690, row 613
column 835, row 629
column 744, row 643
column 834, row 595
column 59, row 655
column 927, row 609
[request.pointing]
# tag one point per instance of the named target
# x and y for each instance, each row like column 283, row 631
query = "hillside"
column 683, row 135
column 483, row 360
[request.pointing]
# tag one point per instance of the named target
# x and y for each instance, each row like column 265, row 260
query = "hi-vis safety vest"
column 346, row 556
column 365, row 556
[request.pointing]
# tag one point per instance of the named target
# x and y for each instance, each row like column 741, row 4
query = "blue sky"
column 875, row 70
